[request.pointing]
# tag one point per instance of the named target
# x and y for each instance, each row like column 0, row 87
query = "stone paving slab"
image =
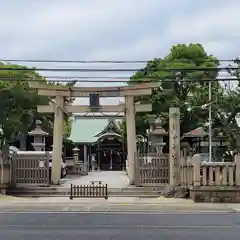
column 114, row 179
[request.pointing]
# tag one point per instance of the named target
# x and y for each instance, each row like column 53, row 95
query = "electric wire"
column 119, row 69
column 115, row 61
column 137, row 80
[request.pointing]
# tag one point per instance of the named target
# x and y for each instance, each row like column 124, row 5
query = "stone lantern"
column 156, row 134
column 38, row 137
column 76, row 151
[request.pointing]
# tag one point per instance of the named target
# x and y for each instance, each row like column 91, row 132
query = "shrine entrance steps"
column 117, row 181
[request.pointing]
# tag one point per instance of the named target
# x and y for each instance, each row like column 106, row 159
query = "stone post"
column 57, row 140
column 174, row 146
column 38, row 137
column 131, row 137
column 85, row 164
column 94, row 163
column 237, row 162
column 196, row 161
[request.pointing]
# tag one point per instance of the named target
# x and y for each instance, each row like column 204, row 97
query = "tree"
column 229, row 106
column 18, row 103
column 182, row 85
column 67, row 127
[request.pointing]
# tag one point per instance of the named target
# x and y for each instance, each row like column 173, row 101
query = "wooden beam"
column 67, row 93
column 85, row 109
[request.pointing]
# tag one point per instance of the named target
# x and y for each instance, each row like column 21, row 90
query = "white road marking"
column 97, row 226
column 123, row 212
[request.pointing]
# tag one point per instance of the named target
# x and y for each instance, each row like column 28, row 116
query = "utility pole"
column 210, row 120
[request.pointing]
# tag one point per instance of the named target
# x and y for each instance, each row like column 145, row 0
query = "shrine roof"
column 90, row 130
column 198, row 132
column 201, row 133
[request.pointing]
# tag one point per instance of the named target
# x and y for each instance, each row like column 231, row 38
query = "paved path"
column 114, row 179
column 119, row 226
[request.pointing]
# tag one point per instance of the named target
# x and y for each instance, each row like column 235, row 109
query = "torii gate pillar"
column 131, row 136
column 57, row 140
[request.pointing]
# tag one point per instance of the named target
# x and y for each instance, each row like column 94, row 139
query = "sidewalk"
column 119, row 204
column 110, row 200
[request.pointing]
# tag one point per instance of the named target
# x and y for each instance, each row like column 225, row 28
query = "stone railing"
column 216, row 173
column 186, row 170
column 186, row 173
column 216, row 181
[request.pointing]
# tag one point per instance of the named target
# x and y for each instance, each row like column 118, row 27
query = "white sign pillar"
column 174, row 146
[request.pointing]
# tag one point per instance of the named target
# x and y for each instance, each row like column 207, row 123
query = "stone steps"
column 60, row 191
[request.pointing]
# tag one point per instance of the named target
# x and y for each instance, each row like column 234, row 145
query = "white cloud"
column 217, row 26
column 115, row 30
column 45, row 24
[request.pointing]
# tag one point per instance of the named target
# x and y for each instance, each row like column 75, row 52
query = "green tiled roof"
column 85, row 130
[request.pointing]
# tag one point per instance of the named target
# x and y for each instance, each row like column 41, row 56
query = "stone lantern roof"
column 38, row 130
column 157, row 129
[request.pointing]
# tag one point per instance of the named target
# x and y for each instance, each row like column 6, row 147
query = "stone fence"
column 211, row 180
column 196, row 173
column 5, row 173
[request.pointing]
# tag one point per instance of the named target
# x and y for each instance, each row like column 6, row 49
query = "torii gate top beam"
column 118, row 91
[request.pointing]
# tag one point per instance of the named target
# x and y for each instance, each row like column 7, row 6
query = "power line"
column 86, row 77
column 138, row 80
column 114, row 78
column 118, row 69
column 112, row 61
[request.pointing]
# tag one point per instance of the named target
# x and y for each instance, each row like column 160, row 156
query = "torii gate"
column 58, row 107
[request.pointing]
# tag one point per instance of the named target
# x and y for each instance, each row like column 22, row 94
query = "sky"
column 114, row 30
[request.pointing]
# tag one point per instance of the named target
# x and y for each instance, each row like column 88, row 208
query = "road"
column 103, row 226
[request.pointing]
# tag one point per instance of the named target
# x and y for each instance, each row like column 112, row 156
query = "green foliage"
column 67, row 128
column 18, row 103
column 229, row 107
column 186, row 89
column 189, row 90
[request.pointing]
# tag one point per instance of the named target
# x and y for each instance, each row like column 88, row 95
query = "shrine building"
column 102, row 138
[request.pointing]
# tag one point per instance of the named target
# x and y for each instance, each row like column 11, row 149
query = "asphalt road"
column 103, row 226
